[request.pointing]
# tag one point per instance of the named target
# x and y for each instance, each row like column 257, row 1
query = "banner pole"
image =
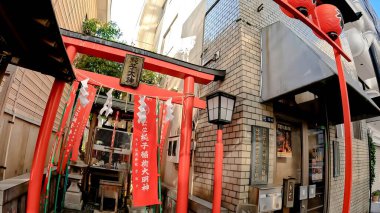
column 159, row 125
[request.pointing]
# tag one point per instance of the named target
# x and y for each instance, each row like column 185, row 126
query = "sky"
column 126, row 14
column 376, row 6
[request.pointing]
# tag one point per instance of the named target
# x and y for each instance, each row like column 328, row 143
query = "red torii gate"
column 191, row 74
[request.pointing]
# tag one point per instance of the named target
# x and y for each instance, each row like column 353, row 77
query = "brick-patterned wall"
column 360, row 176
column 233, row 27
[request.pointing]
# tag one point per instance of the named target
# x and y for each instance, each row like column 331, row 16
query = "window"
column 170, row 149
column 174, row 150
column 168, row 39
column 357, row 130
column 336, row 159
column 259, row 155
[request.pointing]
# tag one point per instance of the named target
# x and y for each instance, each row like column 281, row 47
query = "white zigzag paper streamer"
column 107, row 107
column 83, row 92
column 169, row 107
column 142, row 110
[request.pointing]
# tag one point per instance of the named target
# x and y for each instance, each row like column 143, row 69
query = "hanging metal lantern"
column 330, row 20
column 305, row 7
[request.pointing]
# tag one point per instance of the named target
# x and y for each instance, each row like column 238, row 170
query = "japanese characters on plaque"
column 259, row 155
column 144, row 161
column 133, row 66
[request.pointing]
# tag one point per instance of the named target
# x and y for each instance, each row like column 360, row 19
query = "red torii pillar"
column 184, row 149
column 44, row 135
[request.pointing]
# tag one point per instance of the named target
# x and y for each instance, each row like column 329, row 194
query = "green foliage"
column 376, row 193
column 108, row 31
column 150, row 77
column 98, row 65
column 372, row 163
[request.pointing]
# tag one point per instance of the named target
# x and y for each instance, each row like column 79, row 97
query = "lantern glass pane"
column 223, row 102
column 210, row 104
column 215, row 100
column 230, row 104
column 215, row 114
column 211, row 114
column 229, row 115
column 223, row 113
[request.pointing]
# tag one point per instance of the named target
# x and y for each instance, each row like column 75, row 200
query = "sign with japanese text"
column 80, row 115
column 83, row 122
column 144, row 161
column 69, row 106
column 164, row 129
column 133, row 66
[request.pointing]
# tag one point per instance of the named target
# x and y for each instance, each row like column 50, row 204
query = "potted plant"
column 375, row 196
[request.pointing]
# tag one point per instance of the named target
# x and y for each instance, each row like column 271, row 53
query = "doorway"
column 316, row 169
column 300, row 154
column 288, row 152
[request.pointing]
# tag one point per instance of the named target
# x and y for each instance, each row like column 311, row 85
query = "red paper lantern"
column 330, row 20
column 306, row 7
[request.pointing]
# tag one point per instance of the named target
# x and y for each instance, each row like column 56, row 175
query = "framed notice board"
column 259, row 155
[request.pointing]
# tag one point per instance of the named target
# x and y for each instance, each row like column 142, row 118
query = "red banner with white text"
column 164, row 129
column 80, row 116
column 69, row 105
column 144, row 163
column 68, row 109
column 82, row 125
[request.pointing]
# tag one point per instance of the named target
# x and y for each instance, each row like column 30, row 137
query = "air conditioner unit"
column 173, row 149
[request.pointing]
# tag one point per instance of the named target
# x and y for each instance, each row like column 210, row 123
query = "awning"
column 291, row 66
column 29, row 33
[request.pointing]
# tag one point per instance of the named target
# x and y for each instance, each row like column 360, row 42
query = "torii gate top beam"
column 114, row 51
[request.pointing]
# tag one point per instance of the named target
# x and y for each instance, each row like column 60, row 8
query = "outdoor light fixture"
column 220, row 107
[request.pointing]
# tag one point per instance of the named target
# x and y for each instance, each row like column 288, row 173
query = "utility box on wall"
column 267, row 198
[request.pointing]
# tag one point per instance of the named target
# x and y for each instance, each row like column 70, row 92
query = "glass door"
column 316, row 147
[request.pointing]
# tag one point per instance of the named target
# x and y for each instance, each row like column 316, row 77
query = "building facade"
column 234, row 37
column 70, row 14
column 236, row 30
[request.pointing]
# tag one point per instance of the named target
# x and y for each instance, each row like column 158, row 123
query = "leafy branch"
column 109, row 31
